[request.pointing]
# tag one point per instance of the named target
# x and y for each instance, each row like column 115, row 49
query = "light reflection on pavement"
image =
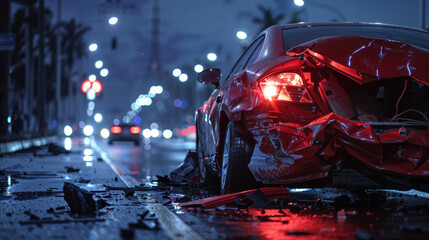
column 146, row 161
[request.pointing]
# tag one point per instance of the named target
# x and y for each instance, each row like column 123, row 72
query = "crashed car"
column 305, row 100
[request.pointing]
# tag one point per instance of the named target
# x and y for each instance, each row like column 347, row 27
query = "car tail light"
column 116, row 129
column 285, row 86
column 135, row 130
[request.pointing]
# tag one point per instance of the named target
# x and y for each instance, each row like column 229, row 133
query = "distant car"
column 125, row 132
column 307, row 99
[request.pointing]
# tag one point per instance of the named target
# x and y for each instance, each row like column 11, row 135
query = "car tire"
column 136, row 143
column 207, row 177
column 237, row 152
column 110, row 142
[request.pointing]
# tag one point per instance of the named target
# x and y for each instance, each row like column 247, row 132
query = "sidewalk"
column 32, row 204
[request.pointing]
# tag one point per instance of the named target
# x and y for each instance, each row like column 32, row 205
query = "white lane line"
column 172, row 224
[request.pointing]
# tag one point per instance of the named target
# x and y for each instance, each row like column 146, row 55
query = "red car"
column 306, row 100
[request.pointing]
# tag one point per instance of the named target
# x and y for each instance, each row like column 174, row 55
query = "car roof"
column 300, row 25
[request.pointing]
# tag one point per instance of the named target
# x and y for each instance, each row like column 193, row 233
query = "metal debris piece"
column 187, row 170
column 83, row 180
column 257, row 199
column 128, row 192
column 56, row 149
column 80, row 200
column 213, row 202
column 72, row 169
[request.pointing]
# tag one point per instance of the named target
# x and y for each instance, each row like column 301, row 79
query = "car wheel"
column 237, row 152
column 110, row 142
column 207, row 177
column 136, row 143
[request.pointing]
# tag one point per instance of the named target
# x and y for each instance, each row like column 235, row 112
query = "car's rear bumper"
column 120, row 137
column 290, row 152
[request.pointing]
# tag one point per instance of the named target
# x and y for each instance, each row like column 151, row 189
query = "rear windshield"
column 295, row 36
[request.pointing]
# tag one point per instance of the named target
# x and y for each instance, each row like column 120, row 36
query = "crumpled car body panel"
column 312, row 150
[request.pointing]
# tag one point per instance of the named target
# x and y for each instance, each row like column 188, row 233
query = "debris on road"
column 61, row 221
column 57, row 150
column 80, row 200
column 187, row 171
column 128, row 192
column 83, row 180
column 72, row 169
column 213, row 202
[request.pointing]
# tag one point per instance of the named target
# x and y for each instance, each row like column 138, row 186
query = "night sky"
column 189, row 29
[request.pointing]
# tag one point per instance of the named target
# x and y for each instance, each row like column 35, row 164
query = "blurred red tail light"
column 116, row 129
column 135, row 130
column 285, row 86
column 192, row 129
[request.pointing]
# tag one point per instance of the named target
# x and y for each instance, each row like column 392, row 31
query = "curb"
column 10, row 147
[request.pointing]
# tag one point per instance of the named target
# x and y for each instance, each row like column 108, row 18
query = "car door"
column 212, row 108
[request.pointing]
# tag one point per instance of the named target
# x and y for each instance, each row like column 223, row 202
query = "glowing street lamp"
column 211, row 57
column 93, row 47
column 92, row 78
column 298, row 3
column 99, row 64
column 183, row 77
column 241, row 35
column 98, row 117
column 177, row 72
column 198, row 68
column 113, row 20
column 104, row 72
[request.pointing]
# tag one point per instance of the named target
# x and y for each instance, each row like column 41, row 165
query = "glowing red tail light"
column 135, row 130
column 116, row 129
column 192, row 129
column 285, row 86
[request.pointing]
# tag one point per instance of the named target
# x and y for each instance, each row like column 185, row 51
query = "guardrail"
column 17, row 145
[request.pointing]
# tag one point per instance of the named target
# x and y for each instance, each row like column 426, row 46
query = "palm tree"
column 73, row 48
column 268, row 18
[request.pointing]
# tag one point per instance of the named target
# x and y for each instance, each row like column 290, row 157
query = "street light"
column 98, row 117
column 198, row 68
column 183, row 77
column 177, row 72
column 299, row 3
column 242, row 35
column 99, row 64
column 104, row 72
column 93, row 47
column 211, row 56
column 113, row 20
column 92, row 78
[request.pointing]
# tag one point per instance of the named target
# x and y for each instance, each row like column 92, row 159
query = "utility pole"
column 29, row 69
column 58, row 65
column 154, row 68
column 4, row 68
column 41, row 88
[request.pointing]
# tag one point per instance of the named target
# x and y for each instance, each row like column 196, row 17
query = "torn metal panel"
column 312, row 150
column 380, row 58
column 212, row 202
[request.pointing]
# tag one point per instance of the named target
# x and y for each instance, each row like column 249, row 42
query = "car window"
column 239, row 65
column 295, row 36
column 255, row 53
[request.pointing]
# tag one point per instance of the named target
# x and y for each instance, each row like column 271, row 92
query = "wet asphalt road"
column 307, row 213
column 151, row 158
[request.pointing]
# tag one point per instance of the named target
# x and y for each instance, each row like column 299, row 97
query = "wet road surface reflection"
column 149, row 159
